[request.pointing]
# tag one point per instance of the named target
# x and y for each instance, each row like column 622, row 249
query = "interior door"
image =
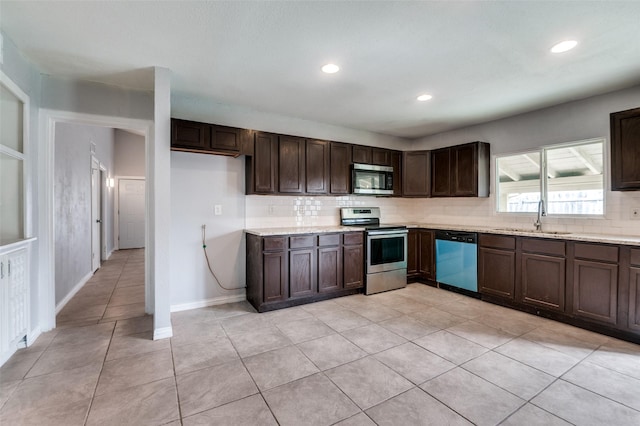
column 95, row 215
column 131, row 206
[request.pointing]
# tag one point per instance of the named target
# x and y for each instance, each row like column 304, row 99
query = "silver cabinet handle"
column 1, row 270
column 9, row 268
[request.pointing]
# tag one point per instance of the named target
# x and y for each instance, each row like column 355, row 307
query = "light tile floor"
column 418, row 355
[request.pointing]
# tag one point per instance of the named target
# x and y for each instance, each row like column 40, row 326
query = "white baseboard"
column 73, row 292
column 33, row 335
column 162, row 333
column 221, row 300
column 109, row 255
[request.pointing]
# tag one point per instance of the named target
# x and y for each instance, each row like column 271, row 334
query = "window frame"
column 543, row 187
column 24, row 156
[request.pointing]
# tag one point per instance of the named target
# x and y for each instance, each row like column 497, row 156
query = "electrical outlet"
column 635, row 213
column 271, row 209
column 217, row 209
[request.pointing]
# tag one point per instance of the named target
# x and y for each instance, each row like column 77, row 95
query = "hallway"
column 115, row 292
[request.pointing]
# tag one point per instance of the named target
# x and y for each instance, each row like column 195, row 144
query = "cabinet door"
column 440, row 177
column 340, row 182
column 189, row 135
column 275, row 276
column 497, row 272
column 412, row 252
column 464, row 170
column 396, row 163
column 265, row 163
column 353, row 266
column 625, row 150
column 416, row 174
column 543, row 281
column 329, row 269
column 291, row 165
column 634, row 298
column 427, row 266
column 302, row 280
column 595, row 290
column 226, row 139
column 361, row 154
column 317, row 167
column 380, row 157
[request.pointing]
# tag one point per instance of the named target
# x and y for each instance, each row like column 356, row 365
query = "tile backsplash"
column 285, row 211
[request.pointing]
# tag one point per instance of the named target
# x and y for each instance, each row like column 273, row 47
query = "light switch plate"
column 217, row 209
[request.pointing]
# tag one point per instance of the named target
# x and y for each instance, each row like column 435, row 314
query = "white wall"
column 72, row 185
column 96, row 98
column 573, row 121
column 198, row 183
column 129, row 154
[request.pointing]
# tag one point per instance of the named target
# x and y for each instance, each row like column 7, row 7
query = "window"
column 13, row 104
column 568, row 177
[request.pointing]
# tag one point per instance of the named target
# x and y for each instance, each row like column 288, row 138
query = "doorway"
column 131, row 213
column 96, row 215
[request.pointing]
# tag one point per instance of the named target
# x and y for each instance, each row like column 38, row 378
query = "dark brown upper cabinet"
column 291, row 153
column 362, row 154
column 396, row 163
column 317, row 167
column 225, row 139
column 381, row 157
column 192, row 136
column 416, row 174
column 340, row 168
column 189, row 135
column 261, row 167
column 625, row 150
column 460, row 171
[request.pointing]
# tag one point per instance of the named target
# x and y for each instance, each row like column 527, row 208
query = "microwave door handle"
column 385, row 233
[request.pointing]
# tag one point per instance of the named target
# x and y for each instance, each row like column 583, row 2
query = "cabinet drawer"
column 275, row 243
column 329, row 240
column 497, row 241
column 353, row 238
column 635, row 256
column 535, row 245
column 597, row 252
column 301, row 241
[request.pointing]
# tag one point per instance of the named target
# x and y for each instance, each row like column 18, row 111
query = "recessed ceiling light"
column 424, row 97
column 330, row 68
column 564, row 46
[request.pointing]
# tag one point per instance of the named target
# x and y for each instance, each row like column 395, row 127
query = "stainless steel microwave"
column 372, row 180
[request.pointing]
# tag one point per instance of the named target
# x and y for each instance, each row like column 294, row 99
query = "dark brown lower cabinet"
column 302, row 278
column 496, row 272
column 353, row 260
column 427, row 265
column 497, row 265
column 275, row 276
column 543, row 281
column 421, row 255
column 634, row 298
column 286, row 271
column 329, row 269
column 595, row 290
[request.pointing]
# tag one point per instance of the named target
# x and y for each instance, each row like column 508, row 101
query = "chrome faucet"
column 541, row 213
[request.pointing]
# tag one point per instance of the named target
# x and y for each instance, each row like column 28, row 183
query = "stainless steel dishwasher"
column 457, row 259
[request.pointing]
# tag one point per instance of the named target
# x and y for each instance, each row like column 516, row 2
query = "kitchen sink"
column 532, row 231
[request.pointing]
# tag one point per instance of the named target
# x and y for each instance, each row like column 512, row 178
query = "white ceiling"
column 479, row 60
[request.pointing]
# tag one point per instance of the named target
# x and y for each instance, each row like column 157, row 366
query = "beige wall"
column 129, row 154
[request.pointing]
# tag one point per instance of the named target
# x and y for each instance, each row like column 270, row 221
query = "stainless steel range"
column 386, row 249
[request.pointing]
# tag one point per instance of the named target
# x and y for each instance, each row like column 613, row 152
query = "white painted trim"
column 162, row 333
column 73, row 292
column 48, row 119
column 33, row 335
column 221, row 300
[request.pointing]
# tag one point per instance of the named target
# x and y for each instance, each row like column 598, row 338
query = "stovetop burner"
column 365, row 217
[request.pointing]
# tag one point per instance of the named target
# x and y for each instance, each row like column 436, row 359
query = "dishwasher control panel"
column 460, row 236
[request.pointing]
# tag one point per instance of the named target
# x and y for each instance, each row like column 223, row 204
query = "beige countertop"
column 633, row 240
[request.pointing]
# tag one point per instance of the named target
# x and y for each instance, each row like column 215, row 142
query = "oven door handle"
column 385, row 233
